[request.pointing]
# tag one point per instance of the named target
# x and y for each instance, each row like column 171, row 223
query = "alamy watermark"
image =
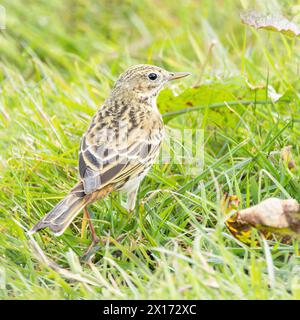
column 2, row 18
column 129, row 144
column 183, row 147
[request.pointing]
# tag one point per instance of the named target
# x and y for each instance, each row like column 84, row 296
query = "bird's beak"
column 178, row 75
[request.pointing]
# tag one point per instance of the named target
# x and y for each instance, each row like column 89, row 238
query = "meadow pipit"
column 119, row 147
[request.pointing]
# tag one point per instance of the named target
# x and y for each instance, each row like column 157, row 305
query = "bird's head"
column 146, row 80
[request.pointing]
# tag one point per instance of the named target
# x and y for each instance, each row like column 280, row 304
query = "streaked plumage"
column 119, row 147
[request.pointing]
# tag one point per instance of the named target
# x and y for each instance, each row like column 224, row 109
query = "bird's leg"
column 83, row 224
column 131, row 199
column 95, row 238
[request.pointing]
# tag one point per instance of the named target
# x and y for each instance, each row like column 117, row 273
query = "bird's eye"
column 152, row 76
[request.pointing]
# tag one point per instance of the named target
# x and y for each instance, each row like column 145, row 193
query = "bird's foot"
column 91, row 250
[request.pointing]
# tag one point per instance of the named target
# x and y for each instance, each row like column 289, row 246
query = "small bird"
column 118, row 148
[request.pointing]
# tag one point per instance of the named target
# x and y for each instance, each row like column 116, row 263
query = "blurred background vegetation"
column 58, row 60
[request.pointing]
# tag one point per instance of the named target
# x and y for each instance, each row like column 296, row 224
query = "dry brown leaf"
column 274, row 215
column 276, row 219
column 271, row 22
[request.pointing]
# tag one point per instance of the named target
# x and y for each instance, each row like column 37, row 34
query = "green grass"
column 58, row 60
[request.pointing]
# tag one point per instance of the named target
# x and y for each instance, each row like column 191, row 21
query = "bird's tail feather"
column 60, row 217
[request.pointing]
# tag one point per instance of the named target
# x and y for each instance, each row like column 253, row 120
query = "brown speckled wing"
column 107, row 158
